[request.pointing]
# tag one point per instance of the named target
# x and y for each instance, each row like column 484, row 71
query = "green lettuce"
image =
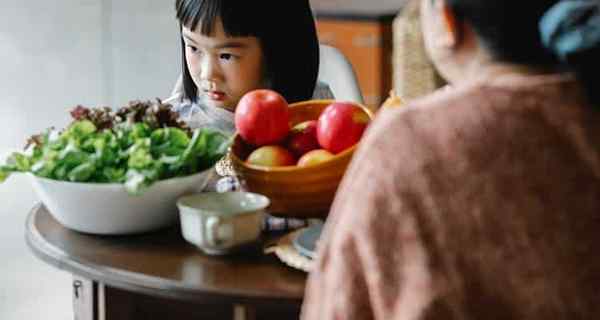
column 133, row 154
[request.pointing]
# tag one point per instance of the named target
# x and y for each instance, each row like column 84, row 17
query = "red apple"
column 314, row 157
column 271, row 156
column 341, row 126
column 303, row 138
column 262, row 117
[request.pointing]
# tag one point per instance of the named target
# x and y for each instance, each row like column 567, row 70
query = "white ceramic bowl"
column 108, row 209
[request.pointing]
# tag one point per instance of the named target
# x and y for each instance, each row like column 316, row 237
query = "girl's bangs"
column 234, row 18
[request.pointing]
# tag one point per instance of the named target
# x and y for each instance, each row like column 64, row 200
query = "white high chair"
column 336, row 71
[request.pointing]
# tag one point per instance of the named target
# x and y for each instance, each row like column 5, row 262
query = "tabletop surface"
column 164, row 264
column 380, row 10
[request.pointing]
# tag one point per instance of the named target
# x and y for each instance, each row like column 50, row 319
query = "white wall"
column 55, row 54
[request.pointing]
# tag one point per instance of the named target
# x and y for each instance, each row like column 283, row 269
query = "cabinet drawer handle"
column 77, row 284
column 366, row 41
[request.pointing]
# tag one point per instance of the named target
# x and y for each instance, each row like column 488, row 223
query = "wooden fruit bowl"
column 301, row 192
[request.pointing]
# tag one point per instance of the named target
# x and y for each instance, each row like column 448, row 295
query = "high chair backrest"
column 336, row 71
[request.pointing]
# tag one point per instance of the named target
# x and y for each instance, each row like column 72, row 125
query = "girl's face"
column 223, row 68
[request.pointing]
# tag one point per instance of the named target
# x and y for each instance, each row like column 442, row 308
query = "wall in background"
column 53, row 56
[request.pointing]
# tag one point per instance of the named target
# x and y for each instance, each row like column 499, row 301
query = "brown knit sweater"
column 482, row 202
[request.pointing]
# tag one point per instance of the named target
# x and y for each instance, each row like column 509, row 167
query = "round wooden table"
column 160, row 275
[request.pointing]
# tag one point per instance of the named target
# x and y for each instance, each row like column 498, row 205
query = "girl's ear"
column 453, row 27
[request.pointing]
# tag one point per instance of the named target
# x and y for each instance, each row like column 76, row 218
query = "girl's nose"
column 209, row 70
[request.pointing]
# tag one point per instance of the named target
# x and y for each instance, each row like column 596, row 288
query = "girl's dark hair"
column 285, row 30
column 509, row 29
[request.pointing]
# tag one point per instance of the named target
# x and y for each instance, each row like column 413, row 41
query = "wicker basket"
column 414, row 74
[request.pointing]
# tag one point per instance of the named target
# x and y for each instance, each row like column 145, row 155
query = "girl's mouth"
column 216, row 95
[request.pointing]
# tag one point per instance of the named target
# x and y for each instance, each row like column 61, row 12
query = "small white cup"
column 219, row 222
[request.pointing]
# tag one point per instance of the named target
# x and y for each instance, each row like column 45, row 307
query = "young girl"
column 231, row 47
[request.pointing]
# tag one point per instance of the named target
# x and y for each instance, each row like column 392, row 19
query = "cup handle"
column 216, row 231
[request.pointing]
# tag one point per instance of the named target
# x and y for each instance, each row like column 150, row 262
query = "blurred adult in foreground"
column 483, row 201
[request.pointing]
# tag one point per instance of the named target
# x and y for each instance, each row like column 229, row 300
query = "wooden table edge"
column 116, row 278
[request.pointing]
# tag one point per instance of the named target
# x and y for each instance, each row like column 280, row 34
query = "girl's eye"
column 226, row 56
column 192, row 48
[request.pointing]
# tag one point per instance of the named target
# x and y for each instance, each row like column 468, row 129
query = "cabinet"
column 362, row 30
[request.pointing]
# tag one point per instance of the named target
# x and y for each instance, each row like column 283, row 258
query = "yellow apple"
column 314, row 157
column 271, row 156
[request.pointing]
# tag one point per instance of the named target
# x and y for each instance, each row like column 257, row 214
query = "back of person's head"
column 564, row 35
column 285, row 30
